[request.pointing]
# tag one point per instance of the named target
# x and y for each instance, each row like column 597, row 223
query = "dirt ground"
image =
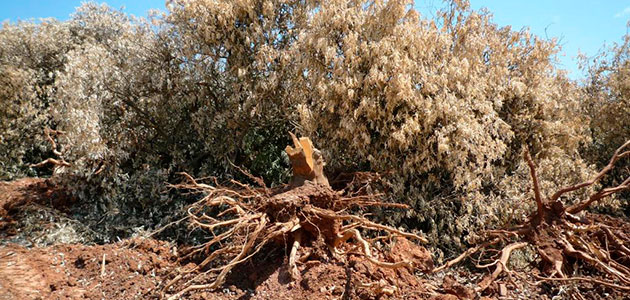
column 128, row 270
column 142, row 267
column 137, row 269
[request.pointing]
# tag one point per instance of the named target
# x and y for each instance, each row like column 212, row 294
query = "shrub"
column 140, row 100
column 239, row 65
column 608, row 100
column 166, row 95
column 30, row 55
column 447, row 104
column 607, row 103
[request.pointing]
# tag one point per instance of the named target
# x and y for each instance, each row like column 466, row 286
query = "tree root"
column 243, row 220
column 464, row 255
column 293, row 268
column 378, row 288
column 501, row 265
column 560, row 237
column 365, row 249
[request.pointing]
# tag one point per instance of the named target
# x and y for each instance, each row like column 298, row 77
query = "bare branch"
column 51, row 161
column 578, row 207
column 618, row 154
column 501, row 265
column 532, row 170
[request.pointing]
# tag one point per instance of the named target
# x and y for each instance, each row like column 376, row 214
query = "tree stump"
column 307, row 162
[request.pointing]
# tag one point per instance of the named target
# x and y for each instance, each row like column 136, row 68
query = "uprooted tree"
column 569, row 245
column 243, row 219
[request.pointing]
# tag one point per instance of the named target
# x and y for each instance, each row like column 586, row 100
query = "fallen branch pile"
column 242, row 219
column 571, row 247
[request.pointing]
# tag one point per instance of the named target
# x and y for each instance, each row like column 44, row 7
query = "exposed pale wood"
column 306, row 161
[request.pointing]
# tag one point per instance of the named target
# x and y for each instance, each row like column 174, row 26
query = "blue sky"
column 61, row 9
column 579, row 24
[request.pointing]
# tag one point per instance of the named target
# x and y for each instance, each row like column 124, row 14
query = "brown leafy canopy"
column 445, row 104
column 238, row 65
column 30, row 54
column 607, row 102
column 608, row 98
column 451, row 97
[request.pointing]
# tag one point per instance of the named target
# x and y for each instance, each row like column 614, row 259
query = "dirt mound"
column 14, row 194
column 349, row 277
column 128, row 270
column 19, row 193
column 37, row 212
column 142, row 268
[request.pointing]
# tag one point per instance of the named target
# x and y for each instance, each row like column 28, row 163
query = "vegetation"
column 607, row 103
column 443, row 108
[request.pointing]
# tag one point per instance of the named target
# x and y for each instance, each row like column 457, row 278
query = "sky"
column 14, row 10
column 580, row 25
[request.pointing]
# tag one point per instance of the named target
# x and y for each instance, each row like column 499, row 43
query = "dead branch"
column 52, row 161
column 532, row 170
column 103, row 266
column 580, row 206
column 52, row 142
column 55, row 162
column 464, row 255
column 616, row 156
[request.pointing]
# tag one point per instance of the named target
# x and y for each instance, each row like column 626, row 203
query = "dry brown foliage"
column 446, row 104
column 607, row 103
column 443, row 104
